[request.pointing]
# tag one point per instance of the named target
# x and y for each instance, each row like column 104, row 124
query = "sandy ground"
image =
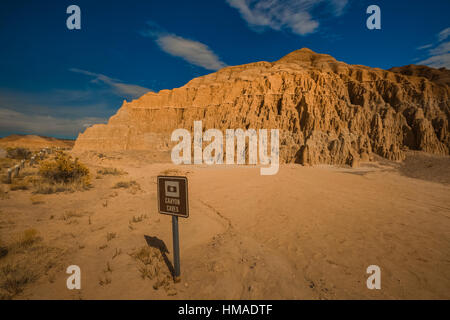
column 305, row 233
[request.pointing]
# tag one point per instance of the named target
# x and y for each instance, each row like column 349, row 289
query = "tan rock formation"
column 327, row 111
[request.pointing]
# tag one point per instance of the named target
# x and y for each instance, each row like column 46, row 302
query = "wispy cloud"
column 438, row 52
column 120, row 88
column 194, row 52
column 339, row 6
column 439, row 61
column 294, row 15
column 426, row 46
column 442, row 48
column 444, row 34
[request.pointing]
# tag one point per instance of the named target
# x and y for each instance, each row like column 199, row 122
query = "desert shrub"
column 62, row 173
column 18, row 153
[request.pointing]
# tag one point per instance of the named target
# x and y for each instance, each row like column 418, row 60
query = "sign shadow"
column 159, row 244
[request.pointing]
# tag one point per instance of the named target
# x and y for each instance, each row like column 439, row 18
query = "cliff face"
column 327, row 111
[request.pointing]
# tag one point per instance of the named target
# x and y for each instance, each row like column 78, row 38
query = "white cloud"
column 120, row 88
column 193, row 52
column 427, row 46
column 339, row 6
column 14, row 121
column 444, row 34
column 441, row 49
column 438, row 53
column 438, row 61
column 294, row 15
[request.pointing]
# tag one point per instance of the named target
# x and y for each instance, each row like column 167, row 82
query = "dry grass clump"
column 62, row 174
column 137, row 219
column 19, row 184
column 6, row 163
column 13, row 279
column 151, row 265
column 105, row 280
column 110, row 236
column 26, row 259
column 111, row 171
column 132, row 185
column 174, row 172
column 25, row 181
column 36, row 200
column 26, row 239
column 42, row 187
column 125, row 184
column 69, row 215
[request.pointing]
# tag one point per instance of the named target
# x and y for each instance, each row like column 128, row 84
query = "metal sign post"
column 173, row 200
column 176, row 249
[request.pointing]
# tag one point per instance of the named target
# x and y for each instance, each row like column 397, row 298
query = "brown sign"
column 173, row 196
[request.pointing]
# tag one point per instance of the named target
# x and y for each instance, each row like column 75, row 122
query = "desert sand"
column 305, row 233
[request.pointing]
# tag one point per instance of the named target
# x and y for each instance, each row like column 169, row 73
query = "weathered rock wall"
column 327, row 111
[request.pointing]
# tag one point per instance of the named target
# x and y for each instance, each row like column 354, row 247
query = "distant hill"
column 34, row 142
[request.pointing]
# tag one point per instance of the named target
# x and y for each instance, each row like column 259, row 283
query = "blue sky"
column 55, row 81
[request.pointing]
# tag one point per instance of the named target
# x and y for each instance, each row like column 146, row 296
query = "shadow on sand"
column 157, row 243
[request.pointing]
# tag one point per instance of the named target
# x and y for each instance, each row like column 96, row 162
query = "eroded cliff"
column 327, row 111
